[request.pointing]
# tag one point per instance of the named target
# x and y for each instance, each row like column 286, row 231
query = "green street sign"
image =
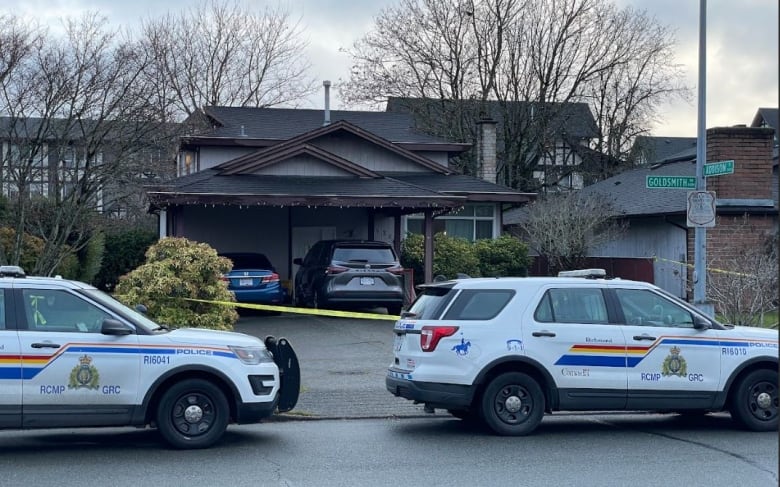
column 671, row 182
column 718, row 168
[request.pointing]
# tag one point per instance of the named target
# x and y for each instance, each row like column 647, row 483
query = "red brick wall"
column 751, row 150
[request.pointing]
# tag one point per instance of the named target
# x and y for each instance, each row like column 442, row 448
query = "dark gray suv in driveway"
column 350, row 274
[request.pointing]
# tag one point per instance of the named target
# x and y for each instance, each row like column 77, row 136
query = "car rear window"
column 249, row 261
column 479, row 304
column 430, row 304
column 372, row 255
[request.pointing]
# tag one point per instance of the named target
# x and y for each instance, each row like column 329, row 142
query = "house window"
column 28, row 164
column 187, row 163
column 472, row 222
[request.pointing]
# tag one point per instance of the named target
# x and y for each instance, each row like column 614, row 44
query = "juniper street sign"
column 671, row 182
column 718, row 168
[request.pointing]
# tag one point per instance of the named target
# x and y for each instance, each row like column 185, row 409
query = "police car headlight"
column 253, row 355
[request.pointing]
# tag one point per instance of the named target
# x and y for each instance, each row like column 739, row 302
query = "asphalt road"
column 567, row 450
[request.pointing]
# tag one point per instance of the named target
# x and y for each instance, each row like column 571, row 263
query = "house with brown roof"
column 277, row 180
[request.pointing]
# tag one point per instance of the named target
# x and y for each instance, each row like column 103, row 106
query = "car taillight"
column 430, row 336
column 272, row 278
column 335, row 269
column 397, row 270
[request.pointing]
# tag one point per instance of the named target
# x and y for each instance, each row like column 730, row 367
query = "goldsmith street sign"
column 671, row 182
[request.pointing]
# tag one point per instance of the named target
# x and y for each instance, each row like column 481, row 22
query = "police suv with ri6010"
column 505, row 351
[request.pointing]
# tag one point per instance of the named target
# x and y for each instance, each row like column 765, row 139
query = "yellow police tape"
column 711, row 269
column 303, row 311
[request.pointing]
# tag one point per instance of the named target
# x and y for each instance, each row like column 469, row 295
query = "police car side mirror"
column 111, row 326
column 700, row 323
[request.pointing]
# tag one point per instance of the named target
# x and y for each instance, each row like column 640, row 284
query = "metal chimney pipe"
column 326, row 84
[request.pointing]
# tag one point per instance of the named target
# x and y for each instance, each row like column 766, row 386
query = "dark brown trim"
column 342, row 125
column 163, row 199
column 275, row 155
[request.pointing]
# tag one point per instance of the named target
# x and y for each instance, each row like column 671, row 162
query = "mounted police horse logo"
column 462, row 349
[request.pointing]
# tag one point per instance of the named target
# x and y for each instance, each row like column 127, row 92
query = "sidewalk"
column 343, row 365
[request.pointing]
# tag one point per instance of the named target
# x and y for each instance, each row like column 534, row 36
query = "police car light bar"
column 587, row 273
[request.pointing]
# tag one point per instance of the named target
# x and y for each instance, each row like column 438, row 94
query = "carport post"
column 428, row 246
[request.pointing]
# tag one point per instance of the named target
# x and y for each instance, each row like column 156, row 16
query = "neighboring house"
column 277, row 180
column 557, row 151
column 652, row 150
column 767, row 117
column 52, row 158
column 658, row 240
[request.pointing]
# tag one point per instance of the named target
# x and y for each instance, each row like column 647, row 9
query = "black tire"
column 754, row 404
column 192, row 414
column 394, row 310
column 512, row 404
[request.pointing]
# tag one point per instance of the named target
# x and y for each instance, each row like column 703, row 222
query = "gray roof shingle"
column 660, row 148
column 575, row 119
column 286, row 123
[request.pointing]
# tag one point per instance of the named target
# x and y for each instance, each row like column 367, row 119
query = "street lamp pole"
column 700, row 233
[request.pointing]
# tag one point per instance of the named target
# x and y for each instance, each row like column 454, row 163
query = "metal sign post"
column 700, row 235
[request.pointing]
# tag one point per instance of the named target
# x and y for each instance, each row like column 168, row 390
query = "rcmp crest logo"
column 674, row 364
column 84, row 375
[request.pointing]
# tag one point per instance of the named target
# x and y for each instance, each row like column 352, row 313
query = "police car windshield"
column 688, row 306
column 111, row 302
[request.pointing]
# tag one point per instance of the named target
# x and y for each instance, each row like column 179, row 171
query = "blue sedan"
column 254, row 280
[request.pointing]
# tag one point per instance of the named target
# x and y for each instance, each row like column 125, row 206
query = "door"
column 671, row 364
column 571, row 334
column 10, row 366
column 72, row 375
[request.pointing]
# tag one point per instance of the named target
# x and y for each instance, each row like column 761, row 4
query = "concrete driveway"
column 343, row 364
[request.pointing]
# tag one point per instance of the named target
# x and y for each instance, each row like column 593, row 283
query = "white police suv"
column 507, row 350
column 72, row 356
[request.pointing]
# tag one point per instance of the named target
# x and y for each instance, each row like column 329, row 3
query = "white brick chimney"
column 486, row 148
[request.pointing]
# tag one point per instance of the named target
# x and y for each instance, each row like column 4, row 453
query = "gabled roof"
column 298, row 145
column 210, row 186
column 278, row 124
column 573, row 119
column 654, row 149
column 766, row 117
column 250, row 163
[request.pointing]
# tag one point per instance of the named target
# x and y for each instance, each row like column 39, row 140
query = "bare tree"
column 220, row 53
column 530, row 57
column 744, row 287
column 76, row 116
column 564, row 227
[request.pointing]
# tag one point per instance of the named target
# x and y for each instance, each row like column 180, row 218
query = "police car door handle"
column 643, row 337
column 543, row 333
column 45, row 345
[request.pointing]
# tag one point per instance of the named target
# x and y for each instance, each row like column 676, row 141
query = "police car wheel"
column 512, row 404
column 193, row 413
column 755, row 402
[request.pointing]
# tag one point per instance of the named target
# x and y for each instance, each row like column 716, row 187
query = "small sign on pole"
column 671, row 182
column 701, row 209
column 718, row 168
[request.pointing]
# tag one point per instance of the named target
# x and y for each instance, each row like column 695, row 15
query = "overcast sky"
column 742, row 45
